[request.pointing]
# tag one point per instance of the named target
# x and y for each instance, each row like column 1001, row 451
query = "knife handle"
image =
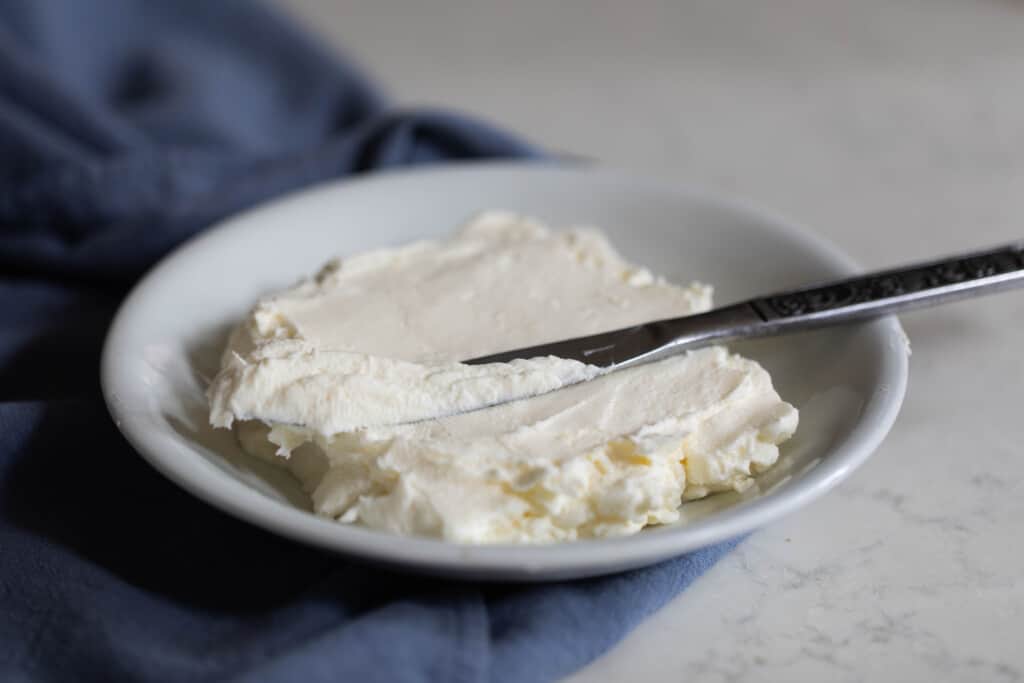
column 894, row 290
column 857, row 298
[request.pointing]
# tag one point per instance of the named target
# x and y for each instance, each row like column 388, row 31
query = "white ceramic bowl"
column 165, row 342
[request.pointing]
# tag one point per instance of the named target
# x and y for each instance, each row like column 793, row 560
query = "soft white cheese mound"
column 330, row 391
column 352, row 381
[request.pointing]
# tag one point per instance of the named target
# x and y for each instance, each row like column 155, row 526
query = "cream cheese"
column 352, row 381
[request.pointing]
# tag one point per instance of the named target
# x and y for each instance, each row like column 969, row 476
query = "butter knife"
column 857, row 298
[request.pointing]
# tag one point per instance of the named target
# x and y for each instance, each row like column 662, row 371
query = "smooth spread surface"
column 326, row 376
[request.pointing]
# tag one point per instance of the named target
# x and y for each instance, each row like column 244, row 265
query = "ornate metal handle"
column 898, row 289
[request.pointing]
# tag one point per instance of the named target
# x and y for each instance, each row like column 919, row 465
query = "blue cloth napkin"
column 125, row 127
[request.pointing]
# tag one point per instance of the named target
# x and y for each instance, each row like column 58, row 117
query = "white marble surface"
column 896, row 129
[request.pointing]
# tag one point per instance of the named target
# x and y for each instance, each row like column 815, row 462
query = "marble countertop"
column 895, row 128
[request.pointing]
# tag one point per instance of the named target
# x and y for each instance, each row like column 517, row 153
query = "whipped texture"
column 352, row 380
